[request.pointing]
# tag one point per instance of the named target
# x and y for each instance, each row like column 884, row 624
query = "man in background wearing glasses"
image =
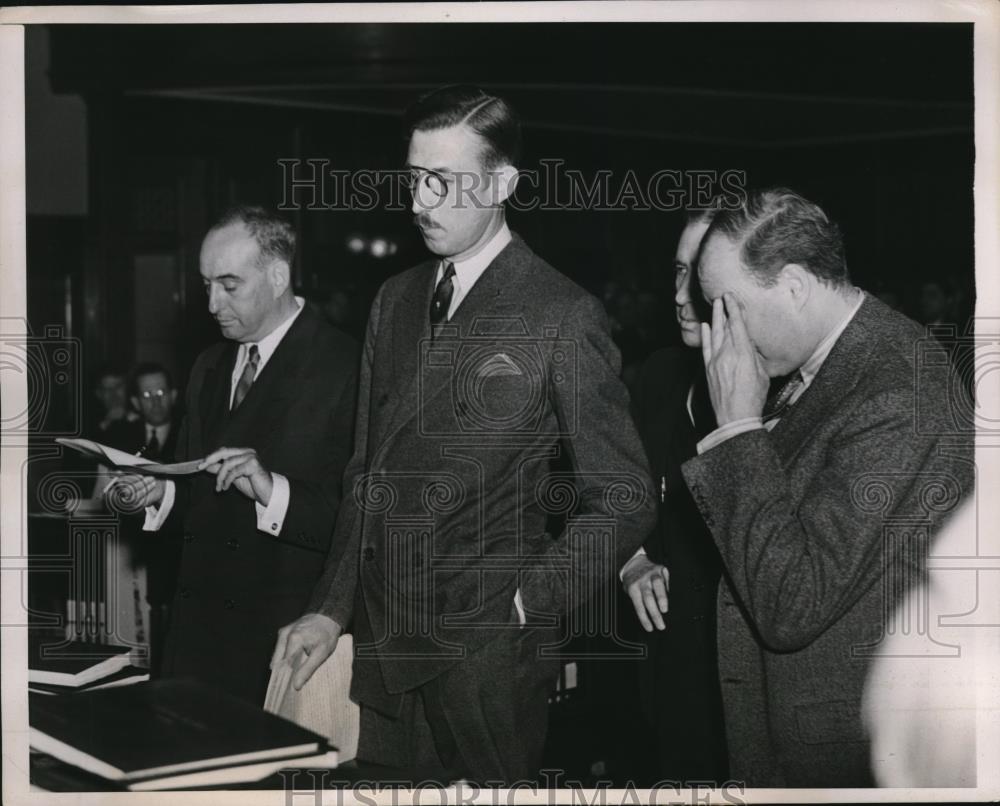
column 154, row 435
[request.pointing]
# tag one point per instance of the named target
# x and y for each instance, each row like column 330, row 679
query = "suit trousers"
column 484, row 720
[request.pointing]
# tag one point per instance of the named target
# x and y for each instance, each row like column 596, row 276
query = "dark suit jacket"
column 679, row 681
column 819, row 524
column 160, row 552
column 451, row 470
column 238, row 585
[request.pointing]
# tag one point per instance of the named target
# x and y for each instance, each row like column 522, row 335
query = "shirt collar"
column 267, row 345
column 813, row 364
column 468, row 271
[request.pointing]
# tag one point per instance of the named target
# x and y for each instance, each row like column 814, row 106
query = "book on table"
column 165, row 728
column 74, row 663
column 123, row 677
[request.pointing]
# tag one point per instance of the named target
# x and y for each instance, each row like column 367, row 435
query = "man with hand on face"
column 797, row 486
column 679, row 679
column 257, row 521
column 481, row 367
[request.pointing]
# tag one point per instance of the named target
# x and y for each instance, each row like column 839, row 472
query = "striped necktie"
column 246, row 379
column 441, row 301
column 777, row 404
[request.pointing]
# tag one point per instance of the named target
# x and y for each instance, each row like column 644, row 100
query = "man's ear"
column 280, row 275
column 506, row 182
column 799, row 282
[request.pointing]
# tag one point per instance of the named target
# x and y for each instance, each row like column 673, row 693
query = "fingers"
column 279, row 648
column 660, row 592
column 706, row 343
column 718, row 325
column 313, row 661
column 221, row 455
column 640, row 608
column 234, row 468
column 649, row 600
column 737, row 326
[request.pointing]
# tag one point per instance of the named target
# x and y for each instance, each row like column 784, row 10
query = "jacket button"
column 229, row 604
column 188, row 537
column 369, row 554
column 233, row 543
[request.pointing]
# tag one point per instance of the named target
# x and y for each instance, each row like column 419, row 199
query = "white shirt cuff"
column 155, row 516
column 271, row 518
column 728, row 431
column 519, row 606
column 639, row 552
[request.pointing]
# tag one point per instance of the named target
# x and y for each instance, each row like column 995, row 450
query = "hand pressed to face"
column 737, row 380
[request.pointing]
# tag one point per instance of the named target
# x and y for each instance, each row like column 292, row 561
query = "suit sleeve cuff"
column 271, row 518
column 728, row 431
column 639, row 552
column 155, row 516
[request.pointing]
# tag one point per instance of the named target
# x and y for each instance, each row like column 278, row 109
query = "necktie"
column 442, row 295
column 777, row 403
column 246, row 379
column 152, row 448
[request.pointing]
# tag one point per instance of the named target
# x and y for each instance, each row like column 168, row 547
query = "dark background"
column 175, row 123
column 139, row 137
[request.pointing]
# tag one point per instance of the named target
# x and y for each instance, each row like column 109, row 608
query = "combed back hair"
column 489, row 116
column 776, row 227
column 275, row 236
column 149, row 368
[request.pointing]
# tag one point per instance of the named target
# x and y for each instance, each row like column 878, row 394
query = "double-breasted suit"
column 238, row 584
column 453, row 481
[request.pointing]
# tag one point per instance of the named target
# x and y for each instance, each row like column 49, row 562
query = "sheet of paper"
column 122, row 459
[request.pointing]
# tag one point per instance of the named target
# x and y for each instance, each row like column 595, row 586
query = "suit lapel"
column 214, row 398
column 251, row 423
column 836, row 378
column 411, row 330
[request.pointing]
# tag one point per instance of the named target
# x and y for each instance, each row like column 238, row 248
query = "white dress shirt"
column 468, row 271
column 270, row 518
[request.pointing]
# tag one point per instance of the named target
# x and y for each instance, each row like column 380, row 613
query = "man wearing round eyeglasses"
column 154, row 435
column 490, row 400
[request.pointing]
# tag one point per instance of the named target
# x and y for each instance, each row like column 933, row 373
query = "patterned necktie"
column 777, row 404
column 442, row 295
column 246, row 379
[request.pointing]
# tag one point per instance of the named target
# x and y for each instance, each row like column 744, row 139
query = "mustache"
column 424, row 221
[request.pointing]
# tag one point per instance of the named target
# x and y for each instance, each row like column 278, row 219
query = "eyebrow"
column 221, row 277
column 444, row 169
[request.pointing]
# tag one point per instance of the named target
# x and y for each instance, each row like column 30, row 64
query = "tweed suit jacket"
column 237, row 585
column 806, row 520
column 452, row 481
